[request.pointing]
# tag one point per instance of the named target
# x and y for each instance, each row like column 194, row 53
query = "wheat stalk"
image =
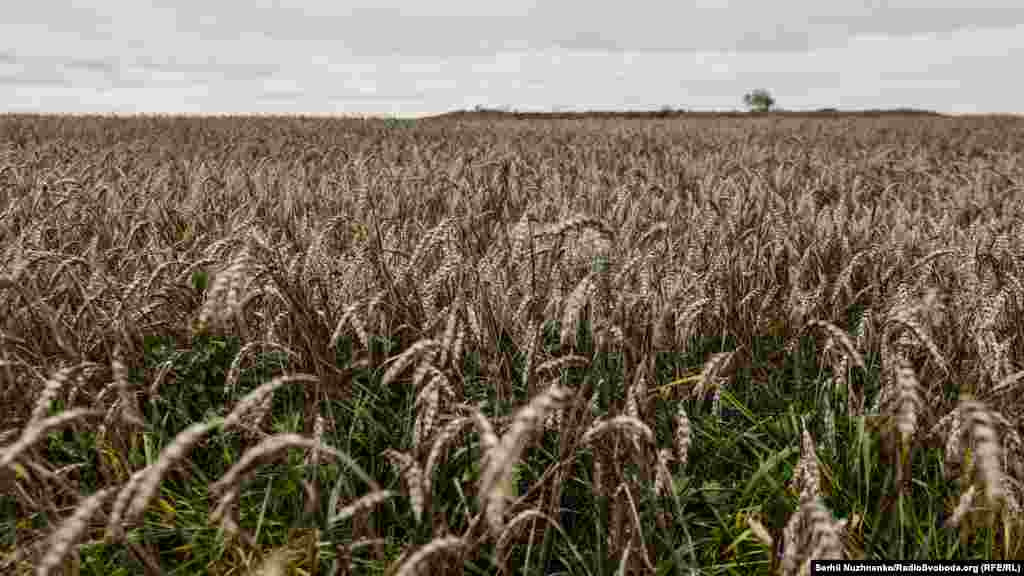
column 412, row 565
column 414, row 481
column 52, row 388
column 507, row 452
column 806, row 475
column 260, row 395
column 182, row 444
column 630, row 425
column 366, row 502
column 444, row 437
column 425, row 347
column 810, row 534
column 41, row 428
column 682, row 436
column 987, row 460
column 71, row 531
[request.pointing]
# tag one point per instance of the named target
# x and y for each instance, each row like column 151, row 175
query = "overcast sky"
column 418, row 57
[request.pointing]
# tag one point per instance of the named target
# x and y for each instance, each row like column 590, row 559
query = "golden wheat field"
column 498, row 345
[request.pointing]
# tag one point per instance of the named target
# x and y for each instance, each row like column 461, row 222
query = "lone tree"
column 759, row 100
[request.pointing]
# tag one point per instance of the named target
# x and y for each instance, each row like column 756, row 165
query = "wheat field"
column 714, row 345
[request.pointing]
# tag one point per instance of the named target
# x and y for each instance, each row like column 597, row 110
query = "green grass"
column 740, row 463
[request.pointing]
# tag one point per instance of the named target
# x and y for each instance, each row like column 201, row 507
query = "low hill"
column 494, row 114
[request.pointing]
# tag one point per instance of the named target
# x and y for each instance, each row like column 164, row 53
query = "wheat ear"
column 70, row 531
column 366, row 502
column 52, row 388
column 504, row 456
column 259, row 396
column 33, row 433
column 176, row 451
column 411, row 567
column 411, row 473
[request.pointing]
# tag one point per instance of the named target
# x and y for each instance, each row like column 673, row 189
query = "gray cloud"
column 421, row 57
column 104, row 66
column 107, row 71
column 463, row 27
column 29, row 80
column 15, row 71
column 209, row 68
column 455, row 28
